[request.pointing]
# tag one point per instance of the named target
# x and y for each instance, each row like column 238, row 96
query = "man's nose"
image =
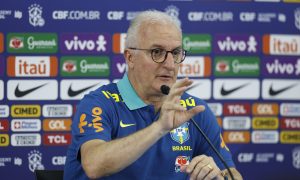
column 169, row 62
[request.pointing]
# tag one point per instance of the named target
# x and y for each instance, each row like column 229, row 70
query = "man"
column 131, row 130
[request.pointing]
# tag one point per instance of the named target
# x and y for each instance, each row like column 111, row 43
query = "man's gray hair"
column 147, row 18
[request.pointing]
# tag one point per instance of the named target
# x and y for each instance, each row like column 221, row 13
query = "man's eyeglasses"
column 159, row 55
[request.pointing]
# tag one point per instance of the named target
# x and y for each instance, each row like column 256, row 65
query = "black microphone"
column 165, row 90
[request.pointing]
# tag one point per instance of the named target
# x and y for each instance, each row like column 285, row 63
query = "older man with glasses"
column 133, row 130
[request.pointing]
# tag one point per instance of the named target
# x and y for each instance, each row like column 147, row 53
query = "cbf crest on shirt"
column 181, row 134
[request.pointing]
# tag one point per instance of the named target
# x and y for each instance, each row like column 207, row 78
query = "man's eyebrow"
column 162, row 47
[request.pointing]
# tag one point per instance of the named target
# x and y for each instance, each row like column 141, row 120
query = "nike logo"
column 273, row 92
column 21, row 93
column 225, row 92
column 125, row 125
column 193, row 86
column 73, row 93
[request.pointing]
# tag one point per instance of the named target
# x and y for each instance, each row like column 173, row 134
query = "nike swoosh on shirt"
column 273, row 92
column 125, row 125
column 21, row 93
column 225, row 92
column 73, row 93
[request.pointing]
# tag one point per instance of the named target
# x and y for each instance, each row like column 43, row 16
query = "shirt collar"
column 128, row 94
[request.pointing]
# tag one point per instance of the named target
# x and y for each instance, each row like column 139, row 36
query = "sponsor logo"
column 57, row 124
column 35, row 161
column 296, row 15
column 265, row 109
column 123, row 125
column 247, row 16
column 197, row 43
column 296, row 157
column 280, row 89
column 59, row 160
column 76, row 15
column 1, row 42
column 236, row 109
column 237, row 44
column 290, row 137
column 236, row 122
column 115, row 15
column 281, row 67
column 85, row 66
column 210, row 16
column 56, row 139
column 216, row 108
column 36, row 66
column 35, row 12
column 25, row 125
column 181, row 134
column 131, row 14
column 236, row 88
column 2, row 67
column 203, row 86
column 290, row 109
column 265, row 137
column 181, row 148
column 32, row 43
column 75, row 89
column 279, row 44
column 57, row 110
column 265, row 123
column 172, row 11
column 29, row 139
column 119, row 67
column 91, row 43
column 4, row 110
column 266, row 17
column 236, row 136
column 95, row 123
column 237, row 66
column 245, row 157
column 25, row 110
column 4, row 140
column 181, row 161
column 290, row 123
column 1, row 90
column 119, row 43
column 32, row 90
column 195, row 66
column 18, row 161
column 4, row 125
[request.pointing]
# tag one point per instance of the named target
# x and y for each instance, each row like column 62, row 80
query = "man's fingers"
column 195, row 110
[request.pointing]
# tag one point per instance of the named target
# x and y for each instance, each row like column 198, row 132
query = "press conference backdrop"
column 244, row 57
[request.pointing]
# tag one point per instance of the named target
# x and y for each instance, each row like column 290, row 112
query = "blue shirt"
column 115, row 110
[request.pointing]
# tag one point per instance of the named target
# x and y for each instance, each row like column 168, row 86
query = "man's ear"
column 129, row 58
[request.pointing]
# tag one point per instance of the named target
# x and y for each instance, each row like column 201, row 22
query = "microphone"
column 165, row 90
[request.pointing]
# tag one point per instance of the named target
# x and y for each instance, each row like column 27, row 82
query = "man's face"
column 148, row 76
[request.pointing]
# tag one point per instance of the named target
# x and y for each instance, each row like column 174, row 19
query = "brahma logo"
column 236, row 122
column 57, row 110
column 281, row 89
column 195, row 66
column 85, row 43
column 246, row 44
column 281, row 44
column 265, row 137
column 29, row 139
column 26, row 66
column 69, row 66
column 16, row 42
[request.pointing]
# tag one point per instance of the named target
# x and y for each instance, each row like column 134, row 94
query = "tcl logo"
column 290, row 123
column 59, row 160
column 57, row 139
column 236, row 109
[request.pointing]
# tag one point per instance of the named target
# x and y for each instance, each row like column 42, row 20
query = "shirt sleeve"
column 92, row 120
column 211, row 128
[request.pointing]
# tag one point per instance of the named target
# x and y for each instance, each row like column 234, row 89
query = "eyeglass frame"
column 166, row 55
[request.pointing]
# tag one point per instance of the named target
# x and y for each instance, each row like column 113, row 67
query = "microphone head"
column 165, row 89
